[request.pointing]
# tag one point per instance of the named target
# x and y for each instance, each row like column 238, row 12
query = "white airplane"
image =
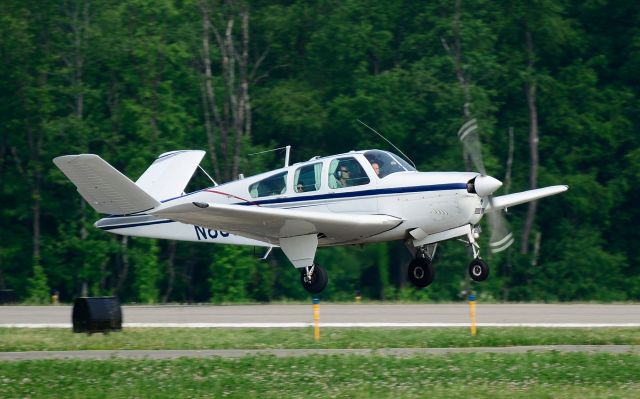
column 358, row 197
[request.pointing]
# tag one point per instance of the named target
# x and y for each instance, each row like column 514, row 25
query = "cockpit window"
column 386, row 163
column 346, row 172
column 272, row 185
column 307, row 178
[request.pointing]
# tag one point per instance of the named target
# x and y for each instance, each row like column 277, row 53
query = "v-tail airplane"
column 359, row 197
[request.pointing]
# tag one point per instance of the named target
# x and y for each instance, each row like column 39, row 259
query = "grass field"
column 26, row 339
column 485, row 375
column 549, row 374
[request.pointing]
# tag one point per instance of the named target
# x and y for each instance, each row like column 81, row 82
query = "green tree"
column 129, row 80
column 231, row 269
column 38, row 290
column 144, row 259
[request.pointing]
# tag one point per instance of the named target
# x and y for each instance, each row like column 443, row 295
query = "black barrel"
column 97, row 314
column 7, row 297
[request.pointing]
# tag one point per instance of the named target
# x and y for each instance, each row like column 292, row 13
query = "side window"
column 272, row 185
column 346, row 172
column 307, row 178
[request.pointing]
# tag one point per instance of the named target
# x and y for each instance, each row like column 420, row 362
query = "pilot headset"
column 338, row 172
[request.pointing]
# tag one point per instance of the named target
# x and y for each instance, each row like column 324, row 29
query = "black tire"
column 319, row 280
column 478, row 270
column 421, row 272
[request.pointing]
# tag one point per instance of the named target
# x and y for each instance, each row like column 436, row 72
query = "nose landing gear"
column 478, row 269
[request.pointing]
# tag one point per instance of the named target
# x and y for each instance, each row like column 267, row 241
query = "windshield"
column 387, row 163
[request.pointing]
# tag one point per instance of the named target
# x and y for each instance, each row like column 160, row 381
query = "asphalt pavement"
column 342, row 314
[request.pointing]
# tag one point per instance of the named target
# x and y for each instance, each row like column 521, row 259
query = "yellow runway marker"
column 472, row 311
column 316, row 319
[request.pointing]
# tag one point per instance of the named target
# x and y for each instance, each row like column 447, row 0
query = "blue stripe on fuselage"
column 339, row 195
column 125, row 226
column 363, row 193
column 350, row 194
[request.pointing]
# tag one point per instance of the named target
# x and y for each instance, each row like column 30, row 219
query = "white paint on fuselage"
column 151, row 227
column 430, row 210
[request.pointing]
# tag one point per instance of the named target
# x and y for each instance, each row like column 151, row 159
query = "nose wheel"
column 314, row 278
column 478, row 270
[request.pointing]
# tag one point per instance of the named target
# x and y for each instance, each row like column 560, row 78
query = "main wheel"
column 318, row 281
column 478, row 270
column 421, row 272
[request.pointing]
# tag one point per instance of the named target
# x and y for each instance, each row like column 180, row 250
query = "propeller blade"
column 468, row 135
column 501, row 237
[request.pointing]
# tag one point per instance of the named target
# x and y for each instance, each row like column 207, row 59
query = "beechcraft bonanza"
column 358, row 197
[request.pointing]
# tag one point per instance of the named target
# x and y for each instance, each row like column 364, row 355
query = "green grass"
column 19, row 339
column 548, row 374
column 484, row 375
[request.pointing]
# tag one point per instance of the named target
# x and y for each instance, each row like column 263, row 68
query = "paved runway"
column 342, row 315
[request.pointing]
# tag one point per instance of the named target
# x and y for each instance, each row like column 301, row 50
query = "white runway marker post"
column 316, row 319
column 472, row 312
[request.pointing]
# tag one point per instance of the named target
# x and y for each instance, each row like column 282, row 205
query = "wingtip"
column 72, row 157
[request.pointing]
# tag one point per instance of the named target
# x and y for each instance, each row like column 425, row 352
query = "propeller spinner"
column 484, row 185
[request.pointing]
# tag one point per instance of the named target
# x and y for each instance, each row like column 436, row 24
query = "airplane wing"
column 274, row 224
column 505, row 201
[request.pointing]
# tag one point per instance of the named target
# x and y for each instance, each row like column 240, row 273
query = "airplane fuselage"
column 431, row 201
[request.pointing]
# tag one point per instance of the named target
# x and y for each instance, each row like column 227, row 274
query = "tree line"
column 553, row 85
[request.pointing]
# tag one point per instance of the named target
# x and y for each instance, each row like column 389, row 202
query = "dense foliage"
column 127, row 80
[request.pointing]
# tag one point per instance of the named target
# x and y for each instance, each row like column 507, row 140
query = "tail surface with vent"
column 103, row 186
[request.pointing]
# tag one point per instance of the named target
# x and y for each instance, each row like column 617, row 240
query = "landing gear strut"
column 314, row 278
column 478, row 269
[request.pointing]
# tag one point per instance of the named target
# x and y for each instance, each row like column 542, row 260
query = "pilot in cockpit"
column 342, row 176
column 376, row 167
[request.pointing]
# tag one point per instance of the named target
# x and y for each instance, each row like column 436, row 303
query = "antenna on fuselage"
column 385, row 139
column 286, row 155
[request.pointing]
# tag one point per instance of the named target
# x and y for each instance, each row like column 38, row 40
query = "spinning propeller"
column 484, row 185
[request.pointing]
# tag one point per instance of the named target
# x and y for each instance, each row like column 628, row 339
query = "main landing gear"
column 421, row 271
column 314, row 278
